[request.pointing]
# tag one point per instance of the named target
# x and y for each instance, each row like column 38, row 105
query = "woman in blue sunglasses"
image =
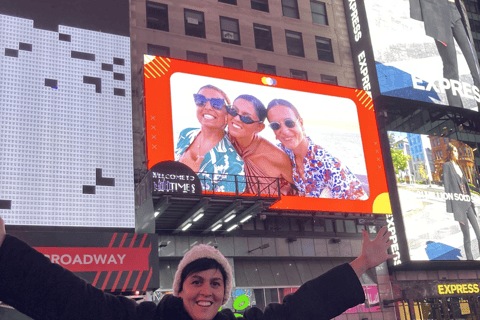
column 207, row 150
column 315, row 171
column 263, row 160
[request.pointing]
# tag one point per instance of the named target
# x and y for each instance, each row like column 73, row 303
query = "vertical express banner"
column 360, row 43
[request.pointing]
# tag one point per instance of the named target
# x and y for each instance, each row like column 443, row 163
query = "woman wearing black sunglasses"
column 263, row 160
column 208, row 150
column 315, row 171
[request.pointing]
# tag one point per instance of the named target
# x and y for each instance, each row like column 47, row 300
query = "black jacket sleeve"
column 43, row 290
column 322, row 298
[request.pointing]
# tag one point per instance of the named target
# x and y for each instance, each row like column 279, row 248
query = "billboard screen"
column 66, row 114
column 316, row 141
column 422, row 50
column 438, row 187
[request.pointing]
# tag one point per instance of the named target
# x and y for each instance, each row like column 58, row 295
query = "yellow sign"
column 456, row 288
column 464, row 307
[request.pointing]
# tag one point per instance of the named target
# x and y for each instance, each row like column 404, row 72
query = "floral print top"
column 325, row 176
column 220, row 165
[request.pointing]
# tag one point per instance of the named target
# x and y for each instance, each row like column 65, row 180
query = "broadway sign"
column 110, row 261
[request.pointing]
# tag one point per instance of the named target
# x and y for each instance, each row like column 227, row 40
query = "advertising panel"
column 439, row 196
column 110, row 261
column 244, row 133
column 66, row 114
column 422, row 50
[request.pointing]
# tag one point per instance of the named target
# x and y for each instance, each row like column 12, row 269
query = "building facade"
column 274, row 252
column 300, row 39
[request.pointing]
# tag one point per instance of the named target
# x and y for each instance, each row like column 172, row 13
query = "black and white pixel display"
column 66, row 155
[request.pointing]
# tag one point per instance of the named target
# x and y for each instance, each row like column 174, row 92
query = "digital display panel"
column 421, row 50
column 438, row 188
column 316, row 141
column 65, row 115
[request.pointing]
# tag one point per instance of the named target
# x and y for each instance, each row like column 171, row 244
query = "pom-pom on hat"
column 204, row 251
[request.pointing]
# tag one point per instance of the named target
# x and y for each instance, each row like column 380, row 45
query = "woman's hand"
column 2, row 231
column 373, row 252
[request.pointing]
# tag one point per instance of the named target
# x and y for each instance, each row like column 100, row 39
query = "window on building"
column 234, row 2
column 197, row 57
column 339, row 226
column 328, row 79
column 294, row 43
column 157, row 16
column 324, row 49
column 319, row 12
column 263, row 37
column 477, row 44
column 232, row 63
column 471, row 6
column 298, row 74
column 267, row 69
column 194, row 23
column 290, row 8
column 319, row 225
column 261, row 5
column 329, row 225
column 155, row 50
column 229, row 30
column 474, row 25
column 350, row 226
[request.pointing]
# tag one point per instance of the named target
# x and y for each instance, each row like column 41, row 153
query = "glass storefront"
column 445, row 308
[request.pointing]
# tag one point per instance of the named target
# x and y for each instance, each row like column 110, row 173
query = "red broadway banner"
column 116, row 262
column 98, row 259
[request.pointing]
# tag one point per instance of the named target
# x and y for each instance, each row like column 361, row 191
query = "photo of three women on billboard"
column 228, row 143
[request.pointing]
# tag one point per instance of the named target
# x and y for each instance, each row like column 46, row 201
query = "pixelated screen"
column 424, row 51
column 65, row 116
column 234, row 152
column 439, row 196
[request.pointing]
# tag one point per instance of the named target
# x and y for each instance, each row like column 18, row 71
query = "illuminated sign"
column 66, row 114
column 109, row 261
column 412, row 52
column 437, row 186
column 395, row 248
column 193, row 116
column 456, row 288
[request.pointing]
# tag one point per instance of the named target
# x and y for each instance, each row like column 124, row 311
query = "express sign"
column 456, row 288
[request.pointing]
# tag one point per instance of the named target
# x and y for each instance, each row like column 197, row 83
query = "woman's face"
column 236, row 127
column 455, row 154
column 202, row 294
column 209, row 116
column 289, row 137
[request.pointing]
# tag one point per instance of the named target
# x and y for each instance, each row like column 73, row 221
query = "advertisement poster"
column 215, row 120
column 424, row 51
column 439, row 195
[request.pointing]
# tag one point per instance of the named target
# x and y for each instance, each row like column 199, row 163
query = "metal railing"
column 217, row 183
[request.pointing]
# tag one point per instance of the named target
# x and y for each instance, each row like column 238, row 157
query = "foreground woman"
column 203, row 282
column 263, row 160
column 315, row 171
column 208, row 150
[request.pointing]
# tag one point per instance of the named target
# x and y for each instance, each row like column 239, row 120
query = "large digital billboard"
column 66, row 155
column 245, row 133
column 420, row 49
column 438, row 188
